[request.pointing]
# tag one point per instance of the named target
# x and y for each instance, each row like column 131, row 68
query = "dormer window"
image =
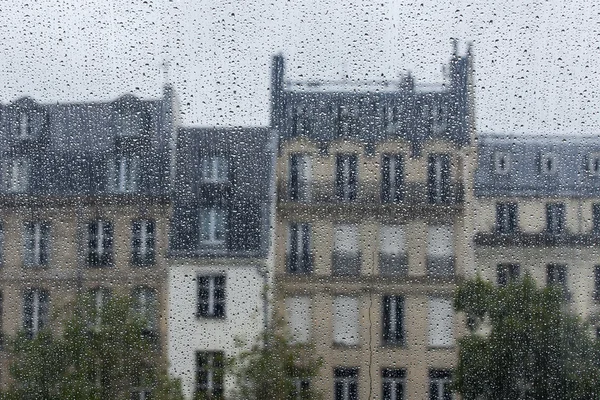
column 24, row 126
column 215, row 169
column 548, row 164
column 126, row 174
column 16, row 175
column 501, row 163
column 593, row 164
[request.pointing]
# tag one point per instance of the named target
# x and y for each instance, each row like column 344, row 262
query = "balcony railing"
column 345, row 263
column 370, row 193
column 393, row 264
column 543, row 239
column 440, row 266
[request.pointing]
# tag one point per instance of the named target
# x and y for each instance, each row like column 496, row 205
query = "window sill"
column 441, row 348
column 342, row 346
column 210, row 318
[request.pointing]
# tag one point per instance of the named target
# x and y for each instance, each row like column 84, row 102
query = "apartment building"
column 372, row 227
column 537, row 211
column 220, row 257
column 84, row 194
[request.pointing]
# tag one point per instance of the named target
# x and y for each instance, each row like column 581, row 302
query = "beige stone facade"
column 67, row 272
column 418, row 286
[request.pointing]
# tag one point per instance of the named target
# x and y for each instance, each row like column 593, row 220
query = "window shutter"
column 203, row 295
column 293, row 248
column 93, row 243
column 352, row 177
column 339, row 177
column 306, row 265
column 385, row 179
column 398, row 178
column 219, row 296
column 107, row 242
column 149, row 256
column 44, row 243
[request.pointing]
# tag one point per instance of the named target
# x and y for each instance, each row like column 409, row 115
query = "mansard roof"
column 573, row 159
column 374, row 111
column 70, row 148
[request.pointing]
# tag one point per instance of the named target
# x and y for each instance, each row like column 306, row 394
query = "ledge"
column 535, row 240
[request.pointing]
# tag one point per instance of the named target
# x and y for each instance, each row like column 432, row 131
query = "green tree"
column 98, row 355
column 274, row 368
column 523, row 344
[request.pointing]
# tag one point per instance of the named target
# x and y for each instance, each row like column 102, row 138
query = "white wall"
column 187, row 334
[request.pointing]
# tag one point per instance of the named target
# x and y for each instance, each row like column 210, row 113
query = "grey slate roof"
column 247, row 194
column 70, row 146
column 571, row 153
column 373, row 111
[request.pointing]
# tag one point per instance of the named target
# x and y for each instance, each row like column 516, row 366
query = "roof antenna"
column 166, row 65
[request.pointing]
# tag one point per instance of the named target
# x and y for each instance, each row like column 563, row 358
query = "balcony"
column 543, row 239
column 369, row 192
column 299, row 265
column 440, row 266
column 393, row 264
column 345, row 263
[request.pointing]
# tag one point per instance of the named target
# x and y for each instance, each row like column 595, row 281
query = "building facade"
column 220, row 257
column 374, row 185
column 538, row 212
column 85, row 208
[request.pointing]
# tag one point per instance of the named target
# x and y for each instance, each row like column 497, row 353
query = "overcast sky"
column 537, row 65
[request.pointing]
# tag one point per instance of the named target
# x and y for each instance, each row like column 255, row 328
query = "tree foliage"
column 533, row 349
column 97, row 355
column 272, row 368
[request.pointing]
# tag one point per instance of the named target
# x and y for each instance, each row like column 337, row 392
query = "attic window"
column 501, row 163
column 594, row 164
column 24, row 125
column 548, row 164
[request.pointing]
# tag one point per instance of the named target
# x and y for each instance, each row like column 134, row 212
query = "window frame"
column 143, row 239
column 215, row 168
column 393, row 329
column 216, row 301
column 37, row 234
column 392, row 178
column 216, row 216
column 100, row 243
column 346, row 177
column 507, row 218
column 38, row 301
column 215, row 372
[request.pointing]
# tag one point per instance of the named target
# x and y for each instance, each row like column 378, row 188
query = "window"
column 548, row 164
column 596, row 283
column 16, row 175
column 301, row 388
column 213, row 225
column 145, row 305
column 300, row 177
column 141, row 394
column 507, row 273
column 438, row 179
column 440, row 251
column 593, row 164
column 392, row 255
column 209, row 374
column 440, row 385
column 596, row 219
column 36, row 303
column 98, row 298
column 506, row 218
column 346, row 383
column 393, row 320
column 126, row 174
column 392, row 178
column 100, row 240
column 441, row 322
column 345, row 321
column 299, row 254
column 142, row 245
column 215, row 169
column 501, row 163
column 299, row 318
column 24, row 126
column 556, row 275
column 346, row 177
column 37, row 244
column 211, row 296
column 555, row 218
column 346, row 253
column 394, row 382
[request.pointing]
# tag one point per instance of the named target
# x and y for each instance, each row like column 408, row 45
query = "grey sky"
column 537, row 64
